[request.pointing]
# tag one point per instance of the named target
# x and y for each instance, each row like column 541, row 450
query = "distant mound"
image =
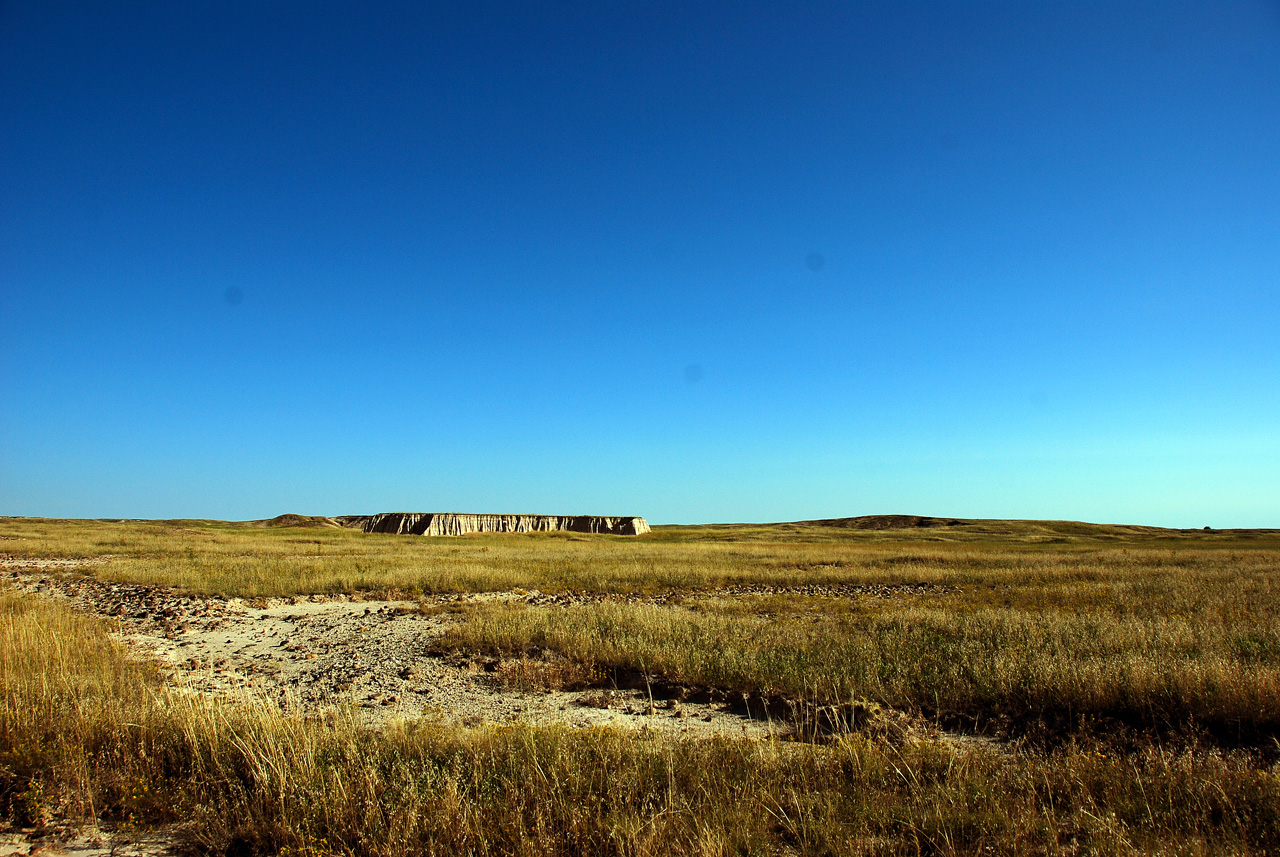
column 887, row 522
column 947, row 529
column 291, row 520
column 925, row 528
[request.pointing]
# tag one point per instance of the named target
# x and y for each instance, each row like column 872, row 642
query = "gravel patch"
column 66, row 839
column 380, row 659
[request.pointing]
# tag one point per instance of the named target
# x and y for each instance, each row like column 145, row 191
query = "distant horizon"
column 651, row 522
column 714, row 261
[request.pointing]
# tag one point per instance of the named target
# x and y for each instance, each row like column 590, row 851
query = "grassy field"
column 1129, row 679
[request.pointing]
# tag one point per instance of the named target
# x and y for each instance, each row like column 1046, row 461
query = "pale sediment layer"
column 454, row 524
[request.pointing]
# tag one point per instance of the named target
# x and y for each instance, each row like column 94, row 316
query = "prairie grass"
column 1168, row 640
column 1055, row 674
column 83, row 730
column 234, row 559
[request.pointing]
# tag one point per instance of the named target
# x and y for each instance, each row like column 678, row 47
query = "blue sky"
column 695, row 261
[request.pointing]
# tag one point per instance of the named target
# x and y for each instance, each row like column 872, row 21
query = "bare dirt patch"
column 10, row 562
column 88, row 840
column 318, row 654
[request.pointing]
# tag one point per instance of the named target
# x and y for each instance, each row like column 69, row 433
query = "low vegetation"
column 1036, row 676
column 1126, row 683
column 235, row 559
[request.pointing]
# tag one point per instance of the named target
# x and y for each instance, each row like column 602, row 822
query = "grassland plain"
column 1128, row 678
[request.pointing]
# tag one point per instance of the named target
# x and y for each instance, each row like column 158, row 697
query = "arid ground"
column 861, row 686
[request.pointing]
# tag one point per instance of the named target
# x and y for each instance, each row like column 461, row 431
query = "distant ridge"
column 292, row 520
column 455, row 524
column 887, row 522
column 877, row 527
column 985, row 526
column 1008, row 527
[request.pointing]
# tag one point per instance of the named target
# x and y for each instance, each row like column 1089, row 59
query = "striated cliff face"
column 452, row 524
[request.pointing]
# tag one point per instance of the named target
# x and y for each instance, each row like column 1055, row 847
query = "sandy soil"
column 380, row 658
column 87, row 841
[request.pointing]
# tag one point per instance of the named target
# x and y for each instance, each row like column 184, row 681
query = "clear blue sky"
column 693, row 261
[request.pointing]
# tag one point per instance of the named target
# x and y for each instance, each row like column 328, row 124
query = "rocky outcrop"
column 453, row 524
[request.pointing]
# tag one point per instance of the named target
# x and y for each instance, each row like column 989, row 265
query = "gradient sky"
column 693, row 261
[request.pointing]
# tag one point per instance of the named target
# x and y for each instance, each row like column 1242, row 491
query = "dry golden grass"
column 1173, row 637
column 1047, row 675
column 233, row 559
column 82, row 731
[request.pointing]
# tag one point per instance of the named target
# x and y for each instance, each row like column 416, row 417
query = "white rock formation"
column 453, row 524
